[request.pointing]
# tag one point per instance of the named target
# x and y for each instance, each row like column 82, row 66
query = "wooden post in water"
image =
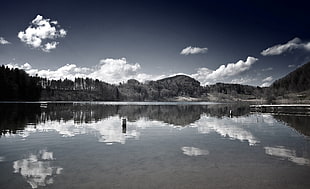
column 124, row 125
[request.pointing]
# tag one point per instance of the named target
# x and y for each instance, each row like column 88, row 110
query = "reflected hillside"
column 16, row 116
column 173, row 114
column 300, row 123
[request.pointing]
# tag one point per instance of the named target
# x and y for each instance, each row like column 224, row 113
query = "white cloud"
column 208, row 76
column 40, row 31
column 118, row 70
column 266, row 84
column 3, row 41
column 25, row 66
column 268, row 79
column 49, row 46
column 109, row 70
column 193, row 50
column 69, row 71
column 295, row 43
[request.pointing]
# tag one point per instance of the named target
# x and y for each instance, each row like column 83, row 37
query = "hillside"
column 160, row 90
column 293, row 88
column 296, row 81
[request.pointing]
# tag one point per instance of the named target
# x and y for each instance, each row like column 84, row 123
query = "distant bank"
column 300, row 109
column 16, row 85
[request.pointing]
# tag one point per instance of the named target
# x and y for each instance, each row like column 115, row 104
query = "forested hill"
column 16, row 84
column 296, row 81
column 161, row 90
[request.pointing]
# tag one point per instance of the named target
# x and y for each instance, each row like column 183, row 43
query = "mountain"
column 296, row 81
column 160, row 90
column 293, row 88
column 17, row 85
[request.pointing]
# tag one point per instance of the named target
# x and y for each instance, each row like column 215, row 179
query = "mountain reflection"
column 37, row 169
column 69, row 119
column 300, row 123
column 17, row 116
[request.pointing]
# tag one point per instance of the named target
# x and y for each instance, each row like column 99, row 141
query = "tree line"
column 16, row 84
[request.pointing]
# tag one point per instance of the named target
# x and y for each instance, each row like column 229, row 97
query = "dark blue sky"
column 151, row 34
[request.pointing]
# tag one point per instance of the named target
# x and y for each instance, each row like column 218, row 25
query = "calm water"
column 83, row 145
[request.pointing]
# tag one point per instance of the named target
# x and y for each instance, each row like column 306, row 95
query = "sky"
column 245, row 42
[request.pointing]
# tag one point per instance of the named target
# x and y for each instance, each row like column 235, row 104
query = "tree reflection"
column 16, row 116
column 300, row 123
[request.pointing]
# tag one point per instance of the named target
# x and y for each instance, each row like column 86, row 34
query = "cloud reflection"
column 108, row 130
column 288, row 154
column 192, row 151
column 234, row 128
column 36, row 169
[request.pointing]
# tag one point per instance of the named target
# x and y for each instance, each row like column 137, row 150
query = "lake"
column 151, row 145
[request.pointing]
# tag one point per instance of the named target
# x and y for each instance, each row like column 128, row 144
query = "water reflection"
column 169, row 139
column 108, row 130
column 192, row 151
column 300, row 123
column 70, row 119
column 233, row 128
column 37, row 168
column 112, row 130
column 282, row 152
column 14, row 117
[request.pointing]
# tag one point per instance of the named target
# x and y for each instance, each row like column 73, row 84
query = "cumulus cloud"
column 193, row 50
column 25, row 66
column 120, row 70
column 41, row 34
column 295, row 43
column 208, row 76
column 109, row 70
column 267, row 81
column 3, row 41
column 69, row 71
column 49, row 46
